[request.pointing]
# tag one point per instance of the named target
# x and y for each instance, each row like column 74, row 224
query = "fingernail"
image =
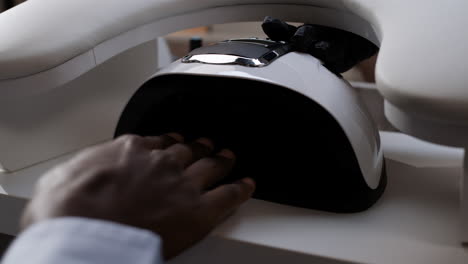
column 176, row 136
column 227, row 154
column 206, row 142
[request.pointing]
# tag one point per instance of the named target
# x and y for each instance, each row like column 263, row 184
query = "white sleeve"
column 74, row 240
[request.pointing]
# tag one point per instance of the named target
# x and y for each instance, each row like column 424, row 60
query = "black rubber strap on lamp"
column 339, row 50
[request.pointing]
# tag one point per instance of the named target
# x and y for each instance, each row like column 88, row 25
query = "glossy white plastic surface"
column 306, row 75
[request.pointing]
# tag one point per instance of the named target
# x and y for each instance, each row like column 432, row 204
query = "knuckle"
column 185, row 147
column 164, row 156
column 167, row 159
column 101, row 171
column 210, row 163
column 157, row 153
column 130, row 141
column 181, row 150
column 213, row 164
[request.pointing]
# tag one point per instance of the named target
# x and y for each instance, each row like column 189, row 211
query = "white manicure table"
column 67, row 69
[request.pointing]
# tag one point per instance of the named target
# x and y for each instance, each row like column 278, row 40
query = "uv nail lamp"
column 66, row 80
column 299, row 130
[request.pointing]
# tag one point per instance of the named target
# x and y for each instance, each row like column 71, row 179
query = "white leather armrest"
column 422, row 64
column 40, row 36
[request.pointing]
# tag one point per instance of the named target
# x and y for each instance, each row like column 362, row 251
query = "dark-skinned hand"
column 154, row 183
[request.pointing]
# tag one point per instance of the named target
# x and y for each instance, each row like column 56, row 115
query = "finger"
column 206, row 172
column 163, row 141
column 224, row 200
column 135, row 142
column 188, row 154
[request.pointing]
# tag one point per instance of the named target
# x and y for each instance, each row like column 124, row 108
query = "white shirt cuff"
column 74, row 240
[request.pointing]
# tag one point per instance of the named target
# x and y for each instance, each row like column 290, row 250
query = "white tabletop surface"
column 416, row 221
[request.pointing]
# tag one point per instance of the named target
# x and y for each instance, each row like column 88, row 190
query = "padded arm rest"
column 421, row 68
column 40, row 35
